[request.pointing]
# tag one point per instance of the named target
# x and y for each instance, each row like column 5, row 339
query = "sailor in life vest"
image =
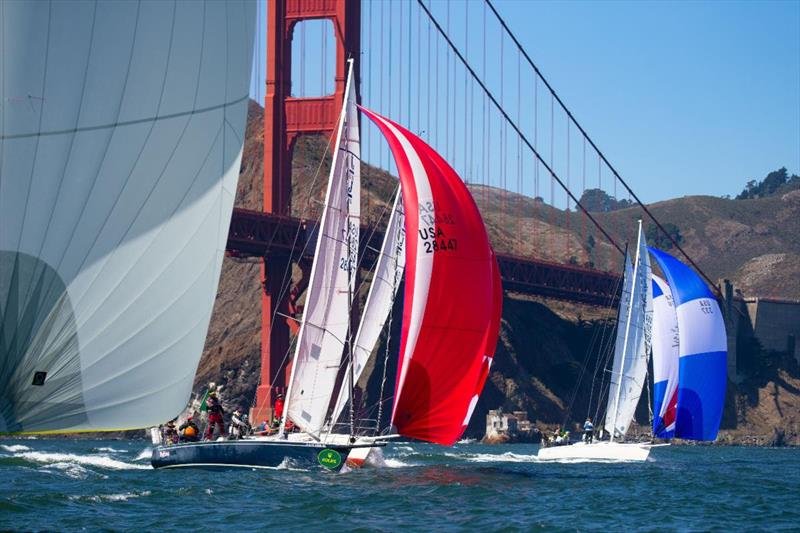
column 189, row 432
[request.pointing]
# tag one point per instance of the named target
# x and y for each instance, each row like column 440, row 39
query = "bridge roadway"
column 257, row 234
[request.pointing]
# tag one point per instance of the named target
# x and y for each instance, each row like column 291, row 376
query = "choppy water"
column 72, row 485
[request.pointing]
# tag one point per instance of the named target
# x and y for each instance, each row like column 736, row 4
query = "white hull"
column 597, row 451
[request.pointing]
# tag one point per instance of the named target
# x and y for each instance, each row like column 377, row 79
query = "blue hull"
column 247, row 454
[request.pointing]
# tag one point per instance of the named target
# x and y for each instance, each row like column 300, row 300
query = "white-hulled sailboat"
column 448, row 336
column 687, row 339
column 629, row 372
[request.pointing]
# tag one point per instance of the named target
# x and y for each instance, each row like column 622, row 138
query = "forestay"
column 631, row 347
column 451, row 303
column 386, row 279
column 665, row 360
column 324, row 327
column 702, row 366
column 121, row 134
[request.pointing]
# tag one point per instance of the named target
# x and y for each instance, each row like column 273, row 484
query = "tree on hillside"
column 777, row 181
column 656, row 238
column 598, row 200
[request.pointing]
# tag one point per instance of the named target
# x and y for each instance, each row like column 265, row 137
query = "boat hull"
column 597, row 451
column 252, row 454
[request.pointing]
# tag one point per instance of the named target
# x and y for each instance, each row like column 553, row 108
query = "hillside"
column 545, row 346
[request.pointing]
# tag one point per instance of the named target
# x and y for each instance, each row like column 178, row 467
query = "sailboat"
column 629, row 368
column 437, row 240
column 679, row 321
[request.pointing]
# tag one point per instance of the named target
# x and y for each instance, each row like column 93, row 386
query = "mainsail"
column 386, row 279
column 121, row 133
column 326, row 316
column 451, row 305
column 631, row 349
column 702, row 366
column 665, row 360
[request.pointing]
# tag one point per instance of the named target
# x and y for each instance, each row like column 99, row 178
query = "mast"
column 350, row 365
column 627, row 332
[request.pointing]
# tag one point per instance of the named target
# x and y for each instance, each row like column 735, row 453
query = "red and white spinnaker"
column 452, row 299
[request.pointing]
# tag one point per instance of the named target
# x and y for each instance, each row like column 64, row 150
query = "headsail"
column 451, row 311
column 386, row 279
column 665, row 360
column 121, row 136
column 630, row 352
column 702, row 365
column 326, row 316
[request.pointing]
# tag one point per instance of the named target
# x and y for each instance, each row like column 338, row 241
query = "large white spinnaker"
column 121, row 130
column 324, row 328
column 632, row 343
column 387, row 278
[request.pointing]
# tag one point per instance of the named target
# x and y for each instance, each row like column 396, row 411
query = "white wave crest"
column 13, row 448
column 391, row 462
column 111, row 450
column 70, row 470
column 125, row 496
column 508, row 457
column 101, row 461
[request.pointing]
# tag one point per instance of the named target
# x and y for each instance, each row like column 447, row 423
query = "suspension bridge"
column 465, row 83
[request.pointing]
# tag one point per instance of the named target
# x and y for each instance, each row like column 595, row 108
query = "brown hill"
column 546, row 347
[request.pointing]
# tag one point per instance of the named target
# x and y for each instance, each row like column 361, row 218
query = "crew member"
column 189, row 432
column 215, row 416
column 170, row 433
column 588, row 431
column 277, row 410
column 239, row 425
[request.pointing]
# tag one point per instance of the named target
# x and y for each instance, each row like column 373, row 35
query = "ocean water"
column 71, row 485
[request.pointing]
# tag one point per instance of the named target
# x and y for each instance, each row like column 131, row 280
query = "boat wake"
column 508, row 457
column 70, row 459
column 13, row 448
column 144, row 454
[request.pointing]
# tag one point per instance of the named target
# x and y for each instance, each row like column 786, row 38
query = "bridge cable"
column 599, row 153
column 515, row 127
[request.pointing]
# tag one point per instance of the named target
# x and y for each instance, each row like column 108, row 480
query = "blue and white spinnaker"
column 702, row 351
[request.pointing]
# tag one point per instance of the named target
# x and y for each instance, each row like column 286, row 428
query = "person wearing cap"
column 189, row 432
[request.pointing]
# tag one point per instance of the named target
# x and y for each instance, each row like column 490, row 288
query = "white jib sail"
column 324, row 328
column 121, row 129
column 387, row 278
column 666, row 344
column 632, row 343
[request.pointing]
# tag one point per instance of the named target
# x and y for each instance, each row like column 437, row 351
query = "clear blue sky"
column 683, row 97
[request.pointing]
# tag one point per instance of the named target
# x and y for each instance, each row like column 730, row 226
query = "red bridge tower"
column 285, row 119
